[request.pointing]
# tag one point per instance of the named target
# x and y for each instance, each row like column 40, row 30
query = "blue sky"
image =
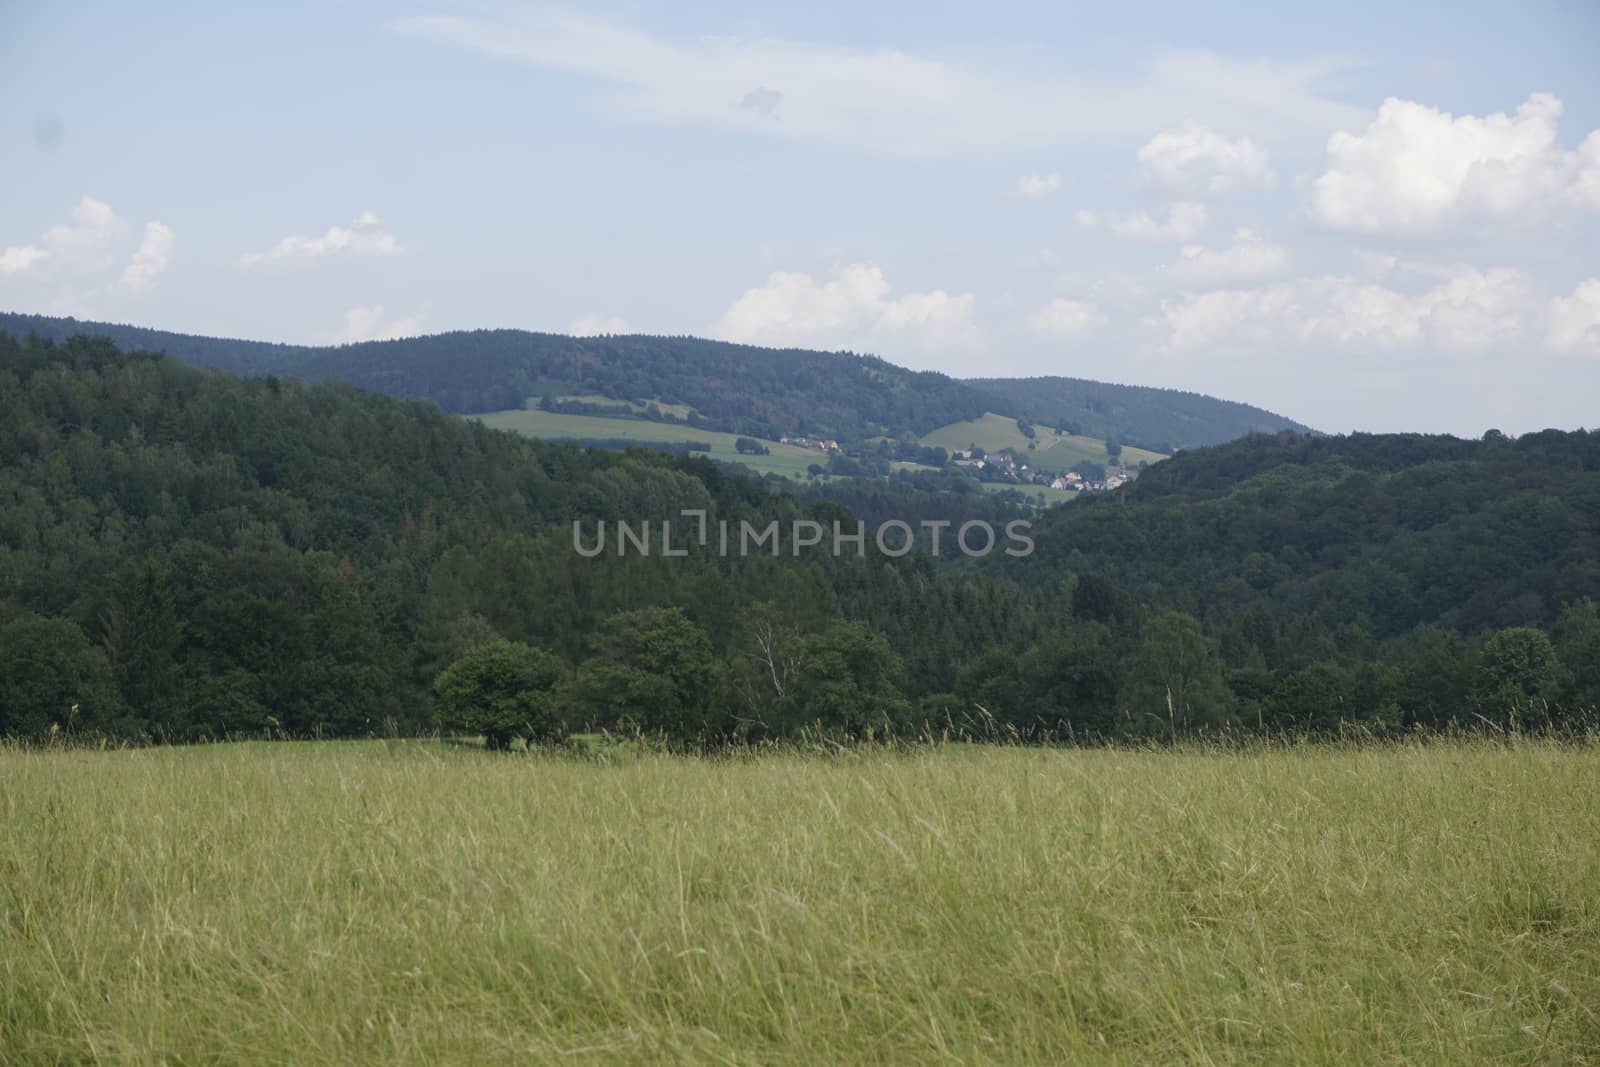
column 1366, row 216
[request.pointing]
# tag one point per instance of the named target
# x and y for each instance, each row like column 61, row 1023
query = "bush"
column 503, row 690
column 847, row 680
column 52, row 678
column 654, row 672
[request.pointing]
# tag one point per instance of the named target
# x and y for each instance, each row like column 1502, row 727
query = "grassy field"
column 1052, row 450
column 416, row 903
column 629, row 407
column 787, row 460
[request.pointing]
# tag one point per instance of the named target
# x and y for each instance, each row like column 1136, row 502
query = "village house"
column 821, row 444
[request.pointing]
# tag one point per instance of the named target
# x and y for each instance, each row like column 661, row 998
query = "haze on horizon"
column 1365, row 218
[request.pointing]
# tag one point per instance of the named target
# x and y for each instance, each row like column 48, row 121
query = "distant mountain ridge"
column 744, row 389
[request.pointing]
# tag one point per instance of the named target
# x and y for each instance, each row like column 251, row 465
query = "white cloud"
column 69, row 269
column 1418, row 169
column 19, row 258
column 151, row 257
column 84, row 244
column 1573, row 322
column 1249, row 257
column 367, row 324
column 1470, row 311
column 1184, row 222
column 1192, row 159
column 596, row 325
column 361, row 238
column 887, row 101
column 1039, row 186
column 852, row 309
column 1066, row 318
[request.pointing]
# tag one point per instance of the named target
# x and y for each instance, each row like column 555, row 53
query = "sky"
column 1365, row 216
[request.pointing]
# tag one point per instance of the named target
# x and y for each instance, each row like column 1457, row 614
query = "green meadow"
column 787, row 460
column 1052, row 450
column 415, row 902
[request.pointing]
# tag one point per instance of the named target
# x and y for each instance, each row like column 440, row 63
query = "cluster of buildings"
column 1002, row 463
column 1074, row 480
column 1005, row 465
column 821, row 444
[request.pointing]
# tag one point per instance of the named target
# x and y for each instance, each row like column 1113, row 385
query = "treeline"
column 1162, row 420
column 744, row 389
column 185, row 555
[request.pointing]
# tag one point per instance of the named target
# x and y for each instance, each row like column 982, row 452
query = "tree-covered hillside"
column 734, row 388
column 1162, row 420
column 1377, row 532
column 187, row 554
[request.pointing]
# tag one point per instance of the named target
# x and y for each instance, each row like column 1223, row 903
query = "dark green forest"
column 1162, row 420
column 186, row 554
column 743, row 389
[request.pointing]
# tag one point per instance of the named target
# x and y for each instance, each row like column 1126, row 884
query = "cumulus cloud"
column 1066, row 318
column 368, row 324
column 1194, row 159
column 1418, row 169
column 853, row 308
column 1039, row 186
column 363, row 237
column 1249, row 257
column 598, row 325
column 1469, row 311
column 1573, row 322
column 84, row 245
column 18, row 258
column 887, row 101
column 1184, row 221
column 151, row 257
column 72, row 267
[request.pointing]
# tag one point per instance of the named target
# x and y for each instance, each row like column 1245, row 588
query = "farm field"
column 629, row 407
column 787, row 460
column 1052, row 450
column 423, row 902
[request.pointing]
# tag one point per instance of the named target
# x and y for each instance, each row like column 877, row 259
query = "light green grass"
column 409, row 903
column 787, row 460
column 625, row 407
column 1052, row 450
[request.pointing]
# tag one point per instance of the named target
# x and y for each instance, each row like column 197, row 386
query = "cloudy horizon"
column 1359, row 235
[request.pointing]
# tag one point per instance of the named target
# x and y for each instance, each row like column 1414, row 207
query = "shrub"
column 51, row 677
column 503, row 690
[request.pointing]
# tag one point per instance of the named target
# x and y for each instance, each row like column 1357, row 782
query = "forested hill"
column 1372, row 534
column 188, row 554
column 1163, row 420
column 736, row 388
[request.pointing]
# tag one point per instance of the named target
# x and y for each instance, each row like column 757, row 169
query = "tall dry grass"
column 412, row 902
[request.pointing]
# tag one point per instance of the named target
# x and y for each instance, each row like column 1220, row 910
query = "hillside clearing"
column 1052, row 449
column 405, row 902
column 787, row 460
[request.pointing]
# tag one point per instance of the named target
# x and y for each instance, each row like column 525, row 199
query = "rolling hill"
column 1048, row 449
column 1162, row 420
column 739, row 389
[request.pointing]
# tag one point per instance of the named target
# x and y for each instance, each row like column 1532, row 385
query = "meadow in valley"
column 415, row 901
